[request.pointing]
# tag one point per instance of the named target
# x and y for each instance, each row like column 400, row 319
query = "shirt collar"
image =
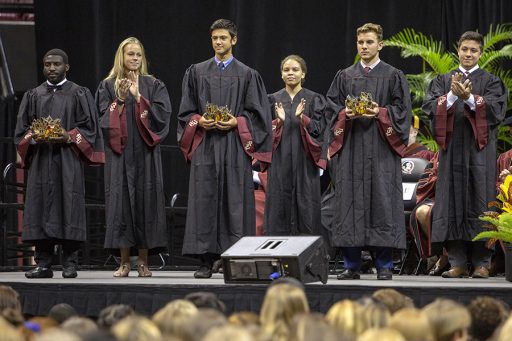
column 474, row 68
column 372, row 66
column 59, row 84
column 226, row 62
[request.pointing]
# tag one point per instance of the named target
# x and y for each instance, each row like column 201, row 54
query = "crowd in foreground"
column 386, row 315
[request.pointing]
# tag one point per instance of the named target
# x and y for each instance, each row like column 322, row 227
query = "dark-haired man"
column 466, row 106
column 366, row 155
column 221, row 197
column 54, row 211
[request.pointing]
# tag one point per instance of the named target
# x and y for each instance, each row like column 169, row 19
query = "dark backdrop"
column 175, row 34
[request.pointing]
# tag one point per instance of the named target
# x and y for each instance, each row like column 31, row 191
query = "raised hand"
column 123, row 88
column 280, row 111
column 134, row 86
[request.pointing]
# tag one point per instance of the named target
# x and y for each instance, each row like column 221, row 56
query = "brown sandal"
column 143, row 270
column 123, row 270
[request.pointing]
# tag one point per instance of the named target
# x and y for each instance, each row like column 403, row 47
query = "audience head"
column 244, row 319
column 413, row 324
column 9, row 298
column 487, row 314
column 202, row 299
column 228, row 333
column 314, row 326
column 505, row 332
column 199, row 325
column 281, row 303
column 61, row 312
column 136, row 328
column 80, row 326
column 381, row 334
column 171, row 318
column 346, row 315
column 392, row 299
column 9, row 332
column 113, row 314
column 448, row 319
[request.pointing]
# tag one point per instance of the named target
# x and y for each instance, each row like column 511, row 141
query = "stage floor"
column 94, row 290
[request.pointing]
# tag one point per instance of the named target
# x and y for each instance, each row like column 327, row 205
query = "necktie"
column 222, row 66
column 367, row 70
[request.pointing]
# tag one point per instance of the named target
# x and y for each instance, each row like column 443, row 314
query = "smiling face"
column 368, row 47
column 292, row 73
column 469, row 53
column 222, row 43
column 132, row 57
column 54, row 68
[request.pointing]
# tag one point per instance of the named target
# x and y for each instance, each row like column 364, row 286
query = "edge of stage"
column 92, row 291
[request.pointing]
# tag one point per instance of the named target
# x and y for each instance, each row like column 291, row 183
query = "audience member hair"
column 203, row 299
column 9, row 332
column 447, row 318
column 346, row 315
column 198, row 325
column 381, row 334
column 413, row 324
column 244, row 319
column 487, row 314
column 170, row 318
column 79, row 325
column 61, row 312
column 281, row 303
column 56, row 334
column 505, row 332
column 393, row 299
column 136, row 328
column 13, row 316
column 228, row 333
column 113, row 314
column 100, row 335
column 9, row 298
column 375, row 315
column 314, row 326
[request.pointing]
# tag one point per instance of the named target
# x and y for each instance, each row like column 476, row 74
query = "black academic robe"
column 55, row 196
column 292, row 205
column 134, row 191
column 467, row 156
column 221, row 191
column 366, row 158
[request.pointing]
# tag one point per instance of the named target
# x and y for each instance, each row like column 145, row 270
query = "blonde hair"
column 346, row 315
column 281, row 303
column 505, row 333
column 118, row 71
column 381, row 334
column 136, row 328
column 413, row 324
column 173, row 316
column 446, row 318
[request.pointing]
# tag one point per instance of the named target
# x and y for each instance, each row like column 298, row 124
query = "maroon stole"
column 22, row 148
column 444, row 122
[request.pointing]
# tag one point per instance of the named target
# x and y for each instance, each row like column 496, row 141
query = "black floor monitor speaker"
column 264, row 259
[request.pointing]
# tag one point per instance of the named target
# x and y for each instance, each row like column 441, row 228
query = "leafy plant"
column 436, row 60
column 499, row 223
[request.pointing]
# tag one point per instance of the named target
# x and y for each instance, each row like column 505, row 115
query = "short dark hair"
column 226, row 25
column 487, row 313
column 472, row 35
column 369, row 27
column 57, row 52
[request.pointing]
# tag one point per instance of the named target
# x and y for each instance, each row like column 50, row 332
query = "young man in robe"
column 466, row 106
column 54, row 211
column 221, row 192
column 365, row 151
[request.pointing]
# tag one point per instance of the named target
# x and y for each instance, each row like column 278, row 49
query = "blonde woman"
column 282, row 302
column 135, row 111
column 450, row 320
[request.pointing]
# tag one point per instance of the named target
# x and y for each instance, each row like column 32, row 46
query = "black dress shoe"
column 348, row 274
column 203, row 272
column 384, row 274
column 69, row 272
column 217, row 266
column 39, row 272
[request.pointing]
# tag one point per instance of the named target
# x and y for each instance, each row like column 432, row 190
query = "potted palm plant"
column 499, row 223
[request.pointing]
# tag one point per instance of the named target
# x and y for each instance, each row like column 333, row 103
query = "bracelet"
column 120, row 101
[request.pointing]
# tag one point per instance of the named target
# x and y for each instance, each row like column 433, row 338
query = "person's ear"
column 234, row 40
column 67, row 67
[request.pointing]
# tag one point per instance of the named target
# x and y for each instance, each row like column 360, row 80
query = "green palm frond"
column 428, row 141
column 502, row 33
column 502, row 228
column 489, row 58
column 416, row 44
column 501, row 235
column 418, row 85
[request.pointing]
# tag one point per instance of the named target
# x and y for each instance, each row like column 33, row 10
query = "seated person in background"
column 414, row 148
